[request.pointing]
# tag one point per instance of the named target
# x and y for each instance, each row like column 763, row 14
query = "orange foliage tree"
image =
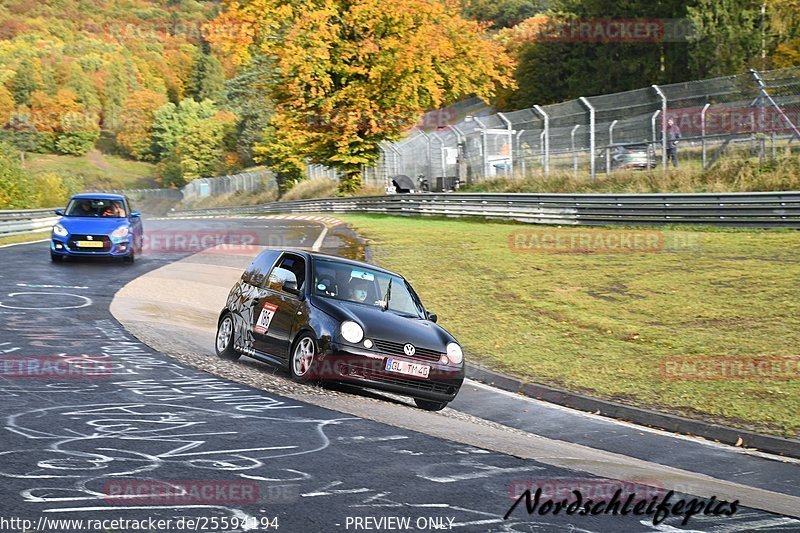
column 349, row 74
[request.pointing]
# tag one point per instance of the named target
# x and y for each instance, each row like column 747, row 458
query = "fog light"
column 444, row 360
column 367, row 344
column 59, row 246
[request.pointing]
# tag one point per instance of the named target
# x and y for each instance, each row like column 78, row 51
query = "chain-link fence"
column 753, row 115
column 247, row 182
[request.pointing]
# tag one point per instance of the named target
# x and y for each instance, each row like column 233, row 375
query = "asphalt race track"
column 88, row 444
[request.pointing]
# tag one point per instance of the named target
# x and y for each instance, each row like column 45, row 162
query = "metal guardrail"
column 26, row 221
column 754, row 210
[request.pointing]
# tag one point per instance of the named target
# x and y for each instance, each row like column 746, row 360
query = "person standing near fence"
column 673, row 134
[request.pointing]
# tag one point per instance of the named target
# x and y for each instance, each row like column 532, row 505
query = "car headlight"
column 120, row 232
column 60, row 230
column 352, row 332
column 454, row 353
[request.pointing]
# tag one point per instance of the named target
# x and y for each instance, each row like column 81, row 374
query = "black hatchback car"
column 327, row 318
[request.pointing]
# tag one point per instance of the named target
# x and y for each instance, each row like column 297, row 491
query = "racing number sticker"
column 262, row 324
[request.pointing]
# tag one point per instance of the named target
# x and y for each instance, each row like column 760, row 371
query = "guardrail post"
column 664, row 141
column 546, row 132
column 574, row 155
column 510, row 128
column 590, row 107
column 703, row 132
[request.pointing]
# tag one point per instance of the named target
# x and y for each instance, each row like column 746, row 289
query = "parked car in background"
column 628, row 156
column 97, row 225
column 327, row 318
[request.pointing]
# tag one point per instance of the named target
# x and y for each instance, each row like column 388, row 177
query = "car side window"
column 256, row 273
column 290, row 272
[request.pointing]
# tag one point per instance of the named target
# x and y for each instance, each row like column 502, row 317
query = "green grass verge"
column 603, row 323
column 25, row 237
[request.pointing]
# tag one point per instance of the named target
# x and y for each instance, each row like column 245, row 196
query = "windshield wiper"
column 388, row 295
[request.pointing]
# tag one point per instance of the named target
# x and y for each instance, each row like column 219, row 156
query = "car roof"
column 328, row 257
column 99, row 196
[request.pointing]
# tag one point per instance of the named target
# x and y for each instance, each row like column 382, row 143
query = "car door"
column 135, row 221
column 280, row 306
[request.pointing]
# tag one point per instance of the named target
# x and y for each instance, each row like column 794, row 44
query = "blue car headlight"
column 60, row 230
column 121, row 232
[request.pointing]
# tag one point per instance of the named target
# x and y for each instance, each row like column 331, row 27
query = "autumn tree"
column 348, row 75
column 7, row 106
column 134, row 136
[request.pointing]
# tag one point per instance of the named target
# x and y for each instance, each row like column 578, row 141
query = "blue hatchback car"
column 97, row 224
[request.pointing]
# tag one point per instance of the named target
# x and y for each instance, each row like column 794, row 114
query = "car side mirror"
column 135, row 214
column 432, row 317
column 291, row 287
column 60, row 212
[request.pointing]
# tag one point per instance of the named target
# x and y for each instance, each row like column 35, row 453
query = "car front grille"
column 409, row 383
column 73, row 243
column 396, row 348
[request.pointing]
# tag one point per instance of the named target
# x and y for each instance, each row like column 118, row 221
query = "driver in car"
column 357, row 290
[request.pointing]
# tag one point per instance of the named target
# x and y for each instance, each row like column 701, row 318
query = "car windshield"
column 363, row 285
column 96, row 207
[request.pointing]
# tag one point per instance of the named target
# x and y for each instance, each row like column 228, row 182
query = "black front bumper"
column 368, row 369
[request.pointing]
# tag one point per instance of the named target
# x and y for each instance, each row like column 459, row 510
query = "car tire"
column 131, row 257
column 224, row 340
column 429, row 405
column 303, row 359
column 55, row 258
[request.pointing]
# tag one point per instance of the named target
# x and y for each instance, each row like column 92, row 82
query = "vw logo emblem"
column 409, row 349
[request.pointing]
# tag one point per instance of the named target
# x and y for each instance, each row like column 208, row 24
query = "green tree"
column 248, row 97
column 16, row 189
column 115, row 93
column 556, row 65
column 207, row 80
column 727, row 37
column 81, row 85
column 501, row 13
column 26, row 80
column 171, row 122
column 50, row 190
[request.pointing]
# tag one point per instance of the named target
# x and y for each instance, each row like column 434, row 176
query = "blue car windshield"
column 362, row 285
column 96, row 207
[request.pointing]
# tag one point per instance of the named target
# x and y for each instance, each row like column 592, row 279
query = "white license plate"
column 90, row 244
column 409, row 369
